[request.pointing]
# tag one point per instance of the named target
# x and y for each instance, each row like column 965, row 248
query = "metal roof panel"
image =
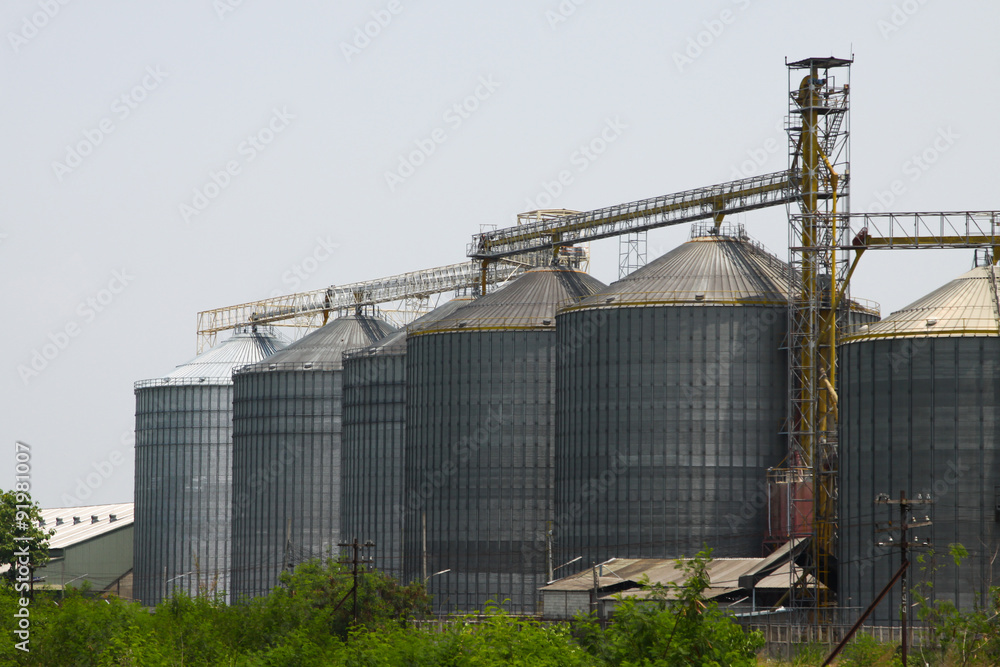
column 528, row 302
column 78, row 524
column 707, row 270
column 966, row 306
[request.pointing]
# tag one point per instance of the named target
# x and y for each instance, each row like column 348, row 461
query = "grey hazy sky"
column 155, row 97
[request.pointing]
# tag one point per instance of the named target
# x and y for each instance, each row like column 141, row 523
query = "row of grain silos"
column 558, row 418
column 554, row 418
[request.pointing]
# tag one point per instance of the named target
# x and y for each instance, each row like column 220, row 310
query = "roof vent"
column 271, row 367
column 307, row 365
column 59, row 521
column 462, row 324
column 546, row 322
column 699, row 297
column 931, row 321
column 609, row 299
column 112, row 517
column 76, row 520
column 93, row 518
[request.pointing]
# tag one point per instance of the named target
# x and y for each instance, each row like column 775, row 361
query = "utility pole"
column 904, row 545
column 597, row 584
column 287, row 558
column 548, row 552
column 906, row 522
column 355, row 562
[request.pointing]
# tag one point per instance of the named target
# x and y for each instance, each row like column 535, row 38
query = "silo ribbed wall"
column 286, row 453
column 919, row 415
column 667, row 419
column 183, row 469
column 286, row 426
column 480, row 434
column 372, row 455
column 183, row 488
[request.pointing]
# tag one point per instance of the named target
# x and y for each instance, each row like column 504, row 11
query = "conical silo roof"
column 966, row 306
column 395, row 343
column 323, row 348
column 529, row 302
column 247, row 345
column 714, row 269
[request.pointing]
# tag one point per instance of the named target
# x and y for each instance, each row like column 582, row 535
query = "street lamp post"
column 428, row 577
column 167, row 581
column 63, row 596
column 569, row 562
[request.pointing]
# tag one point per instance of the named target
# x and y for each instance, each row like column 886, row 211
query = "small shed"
column 747, row 584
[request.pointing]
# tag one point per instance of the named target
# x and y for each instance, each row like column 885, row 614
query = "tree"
column 963, row 636
column 674, row 625
column 23, row 542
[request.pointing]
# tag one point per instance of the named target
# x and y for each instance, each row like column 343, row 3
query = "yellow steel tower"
column 818, row 130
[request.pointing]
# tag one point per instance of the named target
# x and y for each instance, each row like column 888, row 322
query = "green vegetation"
column 675, row 625
column 306, row 621
column 19, row 528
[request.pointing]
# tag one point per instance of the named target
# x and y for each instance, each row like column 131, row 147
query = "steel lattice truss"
column 958, row 229
column 715, row 201
column 311, row 309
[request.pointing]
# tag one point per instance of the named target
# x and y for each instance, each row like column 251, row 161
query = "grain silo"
column 372, row 462
column 919, row 395
column 183, row 469
column 286, row 453
column 480, row 430
column 671, row 398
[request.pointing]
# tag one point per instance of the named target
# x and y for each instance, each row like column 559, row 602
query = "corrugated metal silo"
column 183, row 469
column 286, row 453
column 372, row 456
column 919, row 397
column 671, row 399
column 480, row 430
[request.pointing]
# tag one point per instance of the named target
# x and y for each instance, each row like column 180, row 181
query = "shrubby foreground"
column 309, row 620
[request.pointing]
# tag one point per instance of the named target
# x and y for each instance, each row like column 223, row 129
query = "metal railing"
column 687, row 206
